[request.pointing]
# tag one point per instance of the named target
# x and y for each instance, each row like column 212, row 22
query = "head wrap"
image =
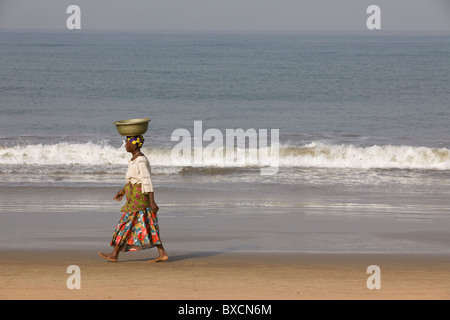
column 138, row 141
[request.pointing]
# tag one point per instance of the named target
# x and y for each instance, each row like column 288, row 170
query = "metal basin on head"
column 132, row 127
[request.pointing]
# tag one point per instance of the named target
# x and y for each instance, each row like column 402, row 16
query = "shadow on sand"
column 174, row 257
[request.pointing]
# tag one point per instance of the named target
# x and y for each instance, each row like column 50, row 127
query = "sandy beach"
column 217, row 253
column 42, row 274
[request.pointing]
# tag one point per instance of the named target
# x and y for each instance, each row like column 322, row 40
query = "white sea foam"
column 349, row 156
column 317, row 155
column 64, row 153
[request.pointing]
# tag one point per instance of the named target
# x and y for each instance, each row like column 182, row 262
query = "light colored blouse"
column 139, row 172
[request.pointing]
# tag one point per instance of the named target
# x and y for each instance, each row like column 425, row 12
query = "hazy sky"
column 227, row 14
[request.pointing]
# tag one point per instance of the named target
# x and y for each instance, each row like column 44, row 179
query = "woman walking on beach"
column 138, row 228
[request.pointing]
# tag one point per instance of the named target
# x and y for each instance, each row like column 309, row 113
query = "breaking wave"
column 379, row 157
column 165, row 161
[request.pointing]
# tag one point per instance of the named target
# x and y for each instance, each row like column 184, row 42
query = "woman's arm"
column 119, row 195
column 153, row 204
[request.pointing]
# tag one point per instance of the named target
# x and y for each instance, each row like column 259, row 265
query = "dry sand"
column 222, row 276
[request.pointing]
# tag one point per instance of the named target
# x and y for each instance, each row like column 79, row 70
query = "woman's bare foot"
column 108, row 256
column 162, row 254
column 160, row 258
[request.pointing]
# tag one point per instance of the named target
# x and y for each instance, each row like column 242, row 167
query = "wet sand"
column 42, row 274
column 219, row 252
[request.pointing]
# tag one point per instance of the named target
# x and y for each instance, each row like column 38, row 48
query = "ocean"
column 363, row 122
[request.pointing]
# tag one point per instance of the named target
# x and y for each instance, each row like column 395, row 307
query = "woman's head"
column 134, row 142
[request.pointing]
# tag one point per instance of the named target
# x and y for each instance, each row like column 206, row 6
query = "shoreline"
column 42, row 275
column 231, row 251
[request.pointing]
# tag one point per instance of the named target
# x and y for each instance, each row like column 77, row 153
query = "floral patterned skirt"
column 137, row 231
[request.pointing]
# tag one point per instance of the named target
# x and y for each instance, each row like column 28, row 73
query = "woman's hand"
column 154, row 207
column 153, row 204
column 119, row 195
